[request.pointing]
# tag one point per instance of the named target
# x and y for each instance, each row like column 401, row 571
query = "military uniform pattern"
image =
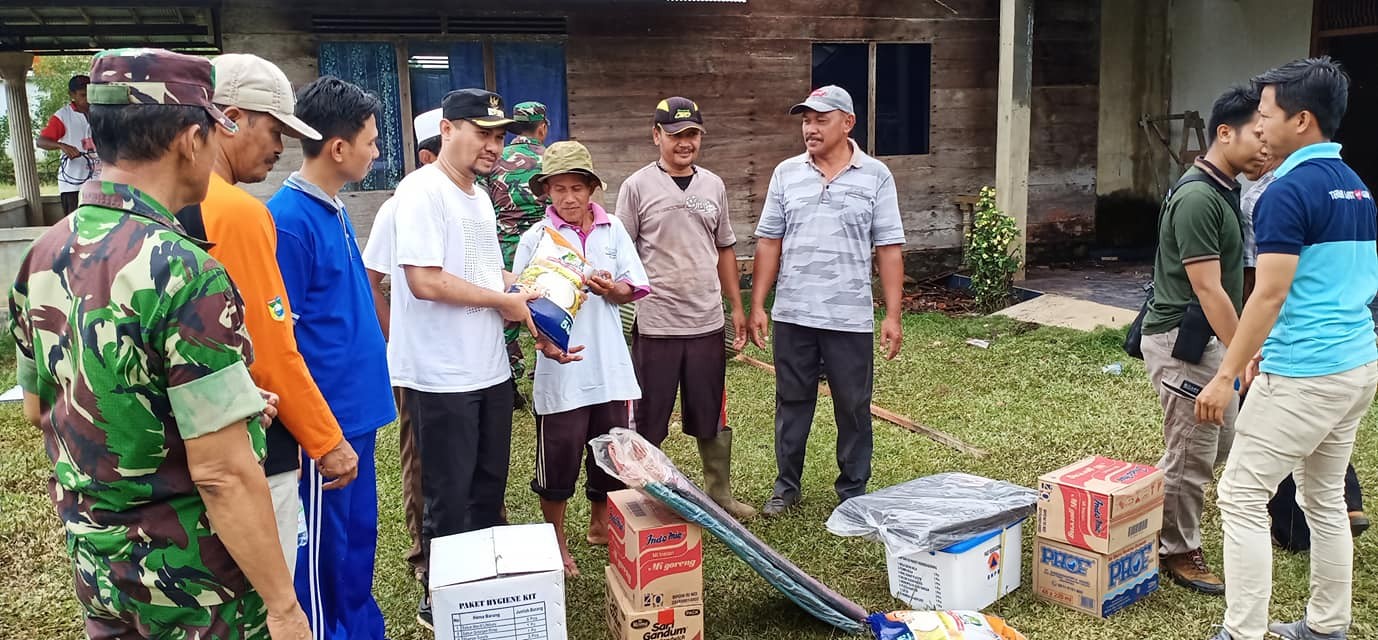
column 133, row 339
column 509, row 188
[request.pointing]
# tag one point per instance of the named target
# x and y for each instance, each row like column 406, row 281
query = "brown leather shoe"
column 1190, row 570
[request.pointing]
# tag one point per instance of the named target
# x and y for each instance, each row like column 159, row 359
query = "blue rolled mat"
column 634, row 461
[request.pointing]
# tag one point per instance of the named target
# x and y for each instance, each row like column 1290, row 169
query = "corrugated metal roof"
column 70, row 28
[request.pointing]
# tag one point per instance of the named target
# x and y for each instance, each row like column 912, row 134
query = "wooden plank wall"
column 746, row 64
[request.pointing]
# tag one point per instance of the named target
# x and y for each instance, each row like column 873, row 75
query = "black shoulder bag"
column 1133, row 341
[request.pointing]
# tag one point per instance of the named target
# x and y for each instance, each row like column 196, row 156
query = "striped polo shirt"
column 828, row 231
column 1320, row 211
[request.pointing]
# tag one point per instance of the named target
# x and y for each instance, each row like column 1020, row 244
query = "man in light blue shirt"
column 1315, row 377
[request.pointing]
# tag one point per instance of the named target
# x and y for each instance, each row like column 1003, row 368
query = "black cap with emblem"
column 483, row 108
column 676, row 114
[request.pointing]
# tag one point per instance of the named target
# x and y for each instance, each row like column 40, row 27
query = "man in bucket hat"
column 581, row 400
column 156, row 479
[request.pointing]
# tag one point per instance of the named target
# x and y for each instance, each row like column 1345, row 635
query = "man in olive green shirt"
column 1198, row 278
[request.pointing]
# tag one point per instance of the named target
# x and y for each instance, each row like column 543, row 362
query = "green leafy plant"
column 991, row 258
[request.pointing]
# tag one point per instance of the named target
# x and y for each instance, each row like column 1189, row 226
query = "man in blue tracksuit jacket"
column 338, row 334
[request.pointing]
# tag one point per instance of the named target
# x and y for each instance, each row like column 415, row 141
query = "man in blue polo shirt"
column 339, row 336
column 1315, row 377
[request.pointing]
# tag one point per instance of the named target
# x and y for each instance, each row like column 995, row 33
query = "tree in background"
column 50, row 75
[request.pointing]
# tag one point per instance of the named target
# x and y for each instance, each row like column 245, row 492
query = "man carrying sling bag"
column 1198, row 279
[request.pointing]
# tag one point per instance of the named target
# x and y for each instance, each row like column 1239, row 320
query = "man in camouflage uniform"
column 131, row 353
column 517, row 207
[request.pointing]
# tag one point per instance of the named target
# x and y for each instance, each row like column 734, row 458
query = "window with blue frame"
column 520, row 70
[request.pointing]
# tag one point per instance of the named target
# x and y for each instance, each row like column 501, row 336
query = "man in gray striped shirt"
column 825, row 212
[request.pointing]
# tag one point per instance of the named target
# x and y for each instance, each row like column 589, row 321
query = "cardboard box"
column 1100, row 504
column 1095, row 584
column 969, row 575
column 670, row 623
column 504, row 582
column 657, row 554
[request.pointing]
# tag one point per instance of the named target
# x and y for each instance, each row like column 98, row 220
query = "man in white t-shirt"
column 67, row 131
column 449, row 304
column 378, row 259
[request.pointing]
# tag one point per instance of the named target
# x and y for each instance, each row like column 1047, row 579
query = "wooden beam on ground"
column 1014, row 95
column 897, row 419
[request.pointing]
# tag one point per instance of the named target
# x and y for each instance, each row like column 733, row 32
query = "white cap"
column 427, row 125
column 251, row 83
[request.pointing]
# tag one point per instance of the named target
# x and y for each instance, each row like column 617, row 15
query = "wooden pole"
column 14, row 68
column 900, row 420
column 1015, row 93
column 408, row 116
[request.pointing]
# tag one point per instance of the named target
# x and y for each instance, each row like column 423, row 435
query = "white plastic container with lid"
column 971, row 574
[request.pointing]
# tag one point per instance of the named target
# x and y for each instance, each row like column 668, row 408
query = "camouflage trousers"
column 114, row 616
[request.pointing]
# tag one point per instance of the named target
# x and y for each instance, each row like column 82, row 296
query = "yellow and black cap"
column 677, row 114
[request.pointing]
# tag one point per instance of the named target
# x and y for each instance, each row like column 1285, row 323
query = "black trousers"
column 465, row 444
column 802, row 354
column 1289, row 521
column 70, row 200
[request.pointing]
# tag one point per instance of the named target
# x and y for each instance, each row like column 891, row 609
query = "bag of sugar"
column 940, row 625
column 557, row 270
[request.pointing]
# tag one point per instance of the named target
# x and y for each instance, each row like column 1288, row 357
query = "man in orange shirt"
column 258, row 97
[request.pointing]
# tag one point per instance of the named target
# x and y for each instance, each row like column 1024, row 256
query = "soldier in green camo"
column 517, row 207
column 131, row 353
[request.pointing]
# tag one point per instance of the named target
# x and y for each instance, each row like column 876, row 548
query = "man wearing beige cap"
column 257, row 96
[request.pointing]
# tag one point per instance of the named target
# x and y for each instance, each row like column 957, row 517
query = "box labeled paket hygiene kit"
column 503, row 583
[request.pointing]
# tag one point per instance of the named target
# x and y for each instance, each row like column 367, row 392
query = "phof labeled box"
column 1094, row 583
column 969, row 575
column 1101, row 505
column 657, row 554
column 669, row 623
column 504, row 582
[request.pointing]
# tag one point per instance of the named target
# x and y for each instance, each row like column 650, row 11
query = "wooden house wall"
column 746, row 64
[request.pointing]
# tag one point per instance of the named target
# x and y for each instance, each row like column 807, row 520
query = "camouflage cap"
column 563, row 157
column 529, row 112
column 154, row 76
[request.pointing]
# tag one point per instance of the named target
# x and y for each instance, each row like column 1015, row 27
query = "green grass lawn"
column 1036, row 400
column 8, row 191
